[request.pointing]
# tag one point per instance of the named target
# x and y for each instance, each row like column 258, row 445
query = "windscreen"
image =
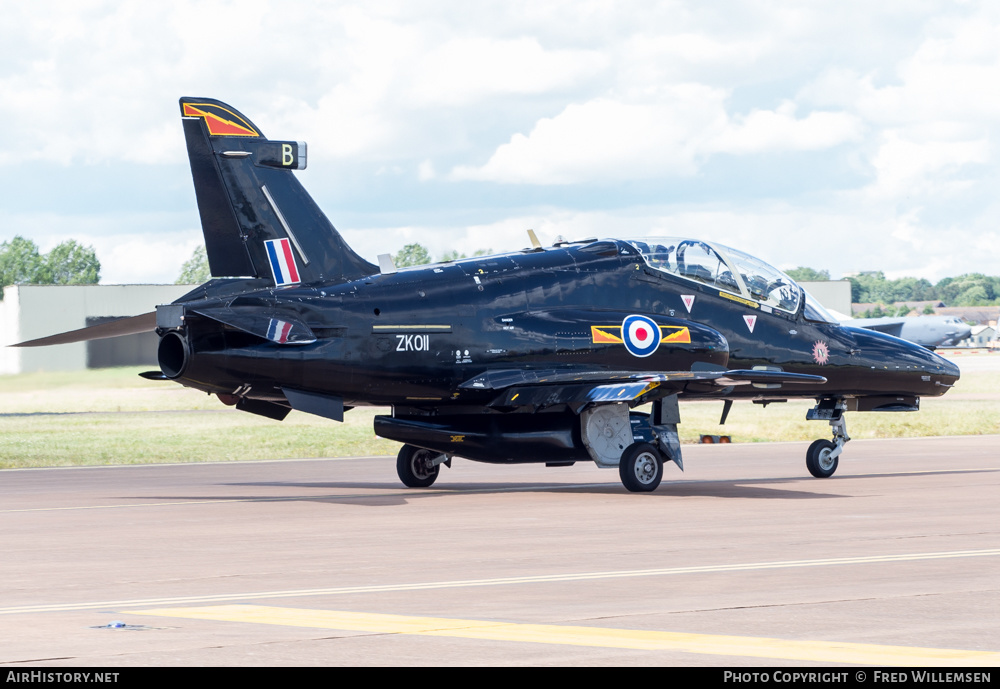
column 719, row 266
column 814, row 311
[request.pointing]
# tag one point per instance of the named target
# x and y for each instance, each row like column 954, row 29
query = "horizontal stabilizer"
column 273, row 325
column 123, row 326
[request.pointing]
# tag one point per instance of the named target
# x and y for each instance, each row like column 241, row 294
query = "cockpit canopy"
column 721, row 267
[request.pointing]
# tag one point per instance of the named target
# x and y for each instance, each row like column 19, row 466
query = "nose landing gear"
column 822, row 457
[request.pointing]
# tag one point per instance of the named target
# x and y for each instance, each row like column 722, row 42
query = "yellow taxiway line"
column 634, row 639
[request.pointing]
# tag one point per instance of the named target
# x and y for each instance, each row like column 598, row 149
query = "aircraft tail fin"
column 257, row 219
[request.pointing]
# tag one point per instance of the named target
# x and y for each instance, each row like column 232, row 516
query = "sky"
column 840, row 135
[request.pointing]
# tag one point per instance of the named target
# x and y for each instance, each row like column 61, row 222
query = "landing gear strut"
column 822, row 457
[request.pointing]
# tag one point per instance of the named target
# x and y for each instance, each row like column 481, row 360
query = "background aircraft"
column 927, row 331
column 540, row 355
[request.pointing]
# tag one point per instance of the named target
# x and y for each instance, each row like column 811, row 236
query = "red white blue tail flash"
column 279, row 252
column 640, row 335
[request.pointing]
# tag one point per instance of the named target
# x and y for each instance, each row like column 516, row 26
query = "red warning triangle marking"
column 751, row 321
column 688, row 300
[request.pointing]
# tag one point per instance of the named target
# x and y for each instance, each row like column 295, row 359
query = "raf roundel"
column 640, row 335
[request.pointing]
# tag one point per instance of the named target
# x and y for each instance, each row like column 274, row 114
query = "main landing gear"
column 418, row 467
column 641, row 467
column 823, row 456
column 638, row 444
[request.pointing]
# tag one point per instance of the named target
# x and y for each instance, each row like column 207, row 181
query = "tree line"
column 970, row 289
column 72, row 263
column 196, row 271
column 417, row 255
column 68, row 263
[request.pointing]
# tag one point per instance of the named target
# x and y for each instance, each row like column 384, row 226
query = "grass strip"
column 112, row 416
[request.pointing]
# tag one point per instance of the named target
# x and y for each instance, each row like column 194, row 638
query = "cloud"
column 138, row 258
column 609, row 141
column 779, row 130
column 728, row 110
column 848, row 236
column 605, row 139
column 470, row 69
column 947, row 78
column 907, row 167
column 425, row 171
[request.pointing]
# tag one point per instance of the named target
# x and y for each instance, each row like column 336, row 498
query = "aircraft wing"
column 274, row 325
column 123, row 326
column 543, row 388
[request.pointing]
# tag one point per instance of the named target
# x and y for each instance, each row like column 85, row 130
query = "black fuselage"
column 413, row 337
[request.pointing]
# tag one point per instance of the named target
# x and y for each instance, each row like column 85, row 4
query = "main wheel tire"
column 641, row 467
column 818, row 459
column 415, row 466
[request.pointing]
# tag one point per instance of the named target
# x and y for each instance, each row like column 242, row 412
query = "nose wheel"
column 823, row 456
column 820, row 459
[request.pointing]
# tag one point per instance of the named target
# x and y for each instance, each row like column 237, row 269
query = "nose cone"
column 906, row 368
column 937, row 374
column 943, row 373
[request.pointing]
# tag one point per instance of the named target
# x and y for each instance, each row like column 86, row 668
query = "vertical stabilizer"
column 257, row 219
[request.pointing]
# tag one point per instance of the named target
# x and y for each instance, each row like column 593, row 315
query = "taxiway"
column 742, row 560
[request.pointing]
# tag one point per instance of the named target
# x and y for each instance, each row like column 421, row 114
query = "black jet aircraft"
column 540, row 355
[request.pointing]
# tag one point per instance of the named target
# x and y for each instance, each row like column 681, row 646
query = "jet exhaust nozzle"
column 172, row 355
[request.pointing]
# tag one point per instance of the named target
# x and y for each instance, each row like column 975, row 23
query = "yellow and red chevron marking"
column 612, row 334
column 606, row 334
column 675, row 334
column 218, row 120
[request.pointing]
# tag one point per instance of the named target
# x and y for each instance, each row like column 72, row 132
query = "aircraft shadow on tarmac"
column 746, row 489
column 720, row 489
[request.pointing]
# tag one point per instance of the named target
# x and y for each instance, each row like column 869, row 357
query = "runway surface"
column 742, row 560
